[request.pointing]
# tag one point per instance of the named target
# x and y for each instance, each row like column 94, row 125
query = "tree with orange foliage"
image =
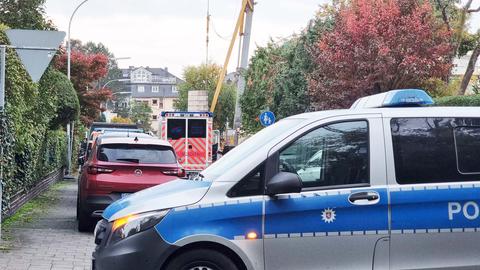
column 86, row 70
column 376, row 46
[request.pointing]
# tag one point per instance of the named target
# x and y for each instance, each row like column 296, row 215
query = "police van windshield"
column 248, row 147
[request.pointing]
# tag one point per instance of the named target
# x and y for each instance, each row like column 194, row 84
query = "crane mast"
column 243, row 29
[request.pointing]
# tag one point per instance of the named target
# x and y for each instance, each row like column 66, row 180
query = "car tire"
column 78, row 207
column 85, row 222
column 201, row 259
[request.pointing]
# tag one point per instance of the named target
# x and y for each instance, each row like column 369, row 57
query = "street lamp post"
column 114, row 80
column 69, row 47
column 70, row 126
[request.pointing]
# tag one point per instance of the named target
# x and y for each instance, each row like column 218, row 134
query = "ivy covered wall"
column 31, row 128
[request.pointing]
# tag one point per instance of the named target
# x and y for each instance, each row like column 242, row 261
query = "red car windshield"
column 136, row 153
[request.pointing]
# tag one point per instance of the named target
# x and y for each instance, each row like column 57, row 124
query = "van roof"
column 132, row 140
column 429, row 111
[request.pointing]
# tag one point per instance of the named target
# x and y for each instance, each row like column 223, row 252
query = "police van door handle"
column 364, row 198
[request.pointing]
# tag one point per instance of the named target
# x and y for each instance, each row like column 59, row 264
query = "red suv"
column 119, row 166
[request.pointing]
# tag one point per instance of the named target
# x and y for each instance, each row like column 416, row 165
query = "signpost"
column 35, row 49
column 267, row 118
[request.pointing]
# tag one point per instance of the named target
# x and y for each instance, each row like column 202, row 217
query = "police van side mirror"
column 284, row 182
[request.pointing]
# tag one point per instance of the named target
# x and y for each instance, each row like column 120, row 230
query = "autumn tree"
column 277, row 76
column 86, row 70
column 205, row 77
column 377, row 46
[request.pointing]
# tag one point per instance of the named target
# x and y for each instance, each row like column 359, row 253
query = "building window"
column 174, row 89
column 141, row 88
column 160, row 104
column 154, row 117
column 155, row 88
column 155, row 102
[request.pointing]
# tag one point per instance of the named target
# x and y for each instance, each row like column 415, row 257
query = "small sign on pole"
column 267, row 118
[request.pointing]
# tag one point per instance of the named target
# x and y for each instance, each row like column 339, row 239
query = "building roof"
column 156, row 72
column 164, row 90
column 158, row 77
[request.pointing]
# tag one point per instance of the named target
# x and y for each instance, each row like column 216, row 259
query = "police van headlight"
column 133, row 224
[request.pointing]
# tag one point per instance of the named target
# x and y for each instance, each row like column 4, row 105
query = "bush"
column 33, row 142
column 472, row 101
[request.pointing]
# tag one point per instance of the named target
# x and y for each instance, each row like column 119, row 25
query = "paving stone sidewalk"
column 50, row 242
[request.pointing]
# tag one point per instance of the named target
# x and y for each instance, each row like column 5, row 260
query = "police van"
column 396, row 186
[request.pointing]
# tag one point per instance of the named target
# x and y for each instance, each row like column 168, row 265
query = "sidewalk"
column 49, row 241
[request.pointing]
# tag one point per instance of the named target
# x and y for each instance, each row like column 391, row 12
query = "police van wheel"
column 201, row 259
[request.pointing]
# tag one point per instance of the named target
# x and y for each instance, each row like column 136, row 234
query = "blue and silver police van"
column 390, row 183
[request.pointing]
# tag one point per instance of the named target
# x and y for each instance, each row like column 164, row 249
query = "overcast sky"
column 159, row 33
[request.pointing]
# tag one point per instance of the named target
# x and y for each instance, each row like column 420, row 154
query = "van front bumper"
column 145, row 250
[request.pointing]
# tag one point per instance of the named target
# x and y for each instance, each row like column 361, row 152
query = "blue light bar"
column 395, row 98
column 407, row 97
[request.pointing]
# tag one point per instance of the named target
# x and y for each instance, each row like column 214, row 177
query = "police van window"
column 467, row 142
column 250, row 185
column 424, row 149
column 332, row 155
column 197, row 128
column 175, row 129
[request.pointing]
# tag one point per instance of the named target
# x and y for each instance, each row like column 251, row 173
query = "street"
column 51, row 242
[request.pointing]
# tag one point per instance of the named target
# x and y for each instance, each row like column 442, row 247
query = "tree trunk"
column 469, row 72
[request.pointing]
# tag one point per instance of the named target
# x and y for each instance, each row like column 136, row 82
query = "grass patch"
column 29, row 212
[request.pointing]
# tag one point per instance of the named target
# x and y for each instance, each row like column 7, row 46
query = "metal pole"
column 69, row 52
column 3, row 52
column 69, row 49
column 243, row 66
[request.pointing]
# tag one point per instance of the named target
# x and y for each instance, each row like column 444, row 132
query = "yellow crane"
column 243, row 29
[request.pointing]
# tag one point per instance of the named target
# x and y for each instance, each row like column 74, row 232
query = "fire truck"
column 191, row 135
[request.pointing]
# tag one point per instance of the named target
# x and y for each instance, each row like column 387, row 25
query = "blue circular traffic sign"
column 267, row 118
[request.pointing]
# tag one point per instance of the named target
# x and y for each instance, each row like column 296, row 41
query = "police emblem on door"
column 328, row 215
column 138, row 172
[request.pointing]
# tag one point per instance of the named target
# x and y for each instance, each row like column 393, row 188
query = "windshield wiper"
column 132, row 160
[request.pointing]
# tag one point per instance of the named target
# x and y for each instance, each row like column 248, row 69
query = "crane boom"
column 244, row 23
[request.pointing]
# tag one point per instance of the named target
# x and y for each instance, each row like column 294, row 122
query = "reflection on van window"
column 332, row 155
column 424, row 149
column 197, row 128
column 467, row 140
column 175, row 129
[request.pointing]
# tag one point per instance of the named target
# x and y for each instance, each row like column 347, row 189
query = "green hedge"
column 458, row 101
column 31, row 133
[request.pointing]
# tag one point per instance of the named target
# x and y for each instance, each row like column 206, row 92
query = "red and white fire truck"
column 191, row 135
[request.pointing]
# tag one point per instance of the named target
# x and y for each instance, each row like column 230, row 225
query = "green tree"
column 278, row 74
column 24, row 14
column 67, row 106
column 205, row 77
column 140, row 113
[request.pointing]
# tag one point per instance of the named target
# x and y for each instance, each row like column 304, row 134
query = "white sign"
column 35, row 48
